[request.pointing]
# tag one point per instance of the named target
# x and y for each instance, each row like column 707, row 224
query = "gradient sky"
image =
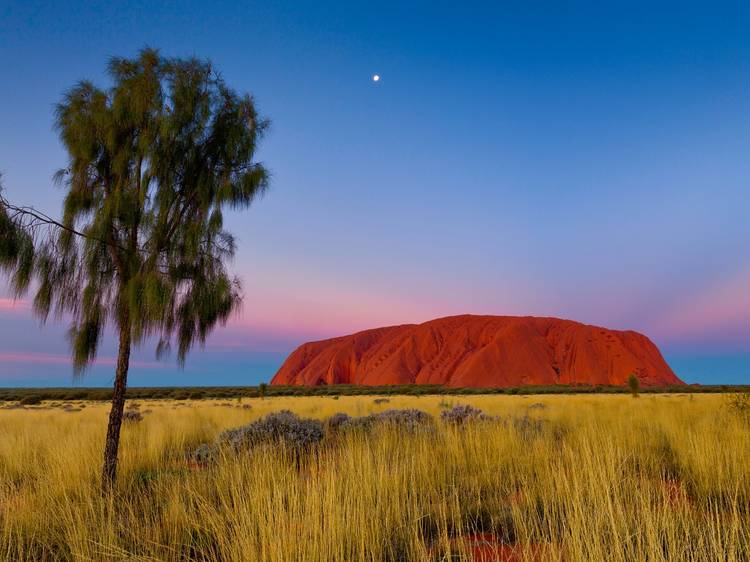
column 577, row 160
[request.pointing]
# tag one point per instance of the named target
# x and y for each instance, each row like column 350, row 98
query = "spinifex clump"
column 132, row 416
column 409, row 419
column 301, row 434
column 464, row 413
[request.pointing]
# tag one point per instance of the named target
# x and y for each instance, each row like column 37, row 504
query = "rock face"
column 480, row 351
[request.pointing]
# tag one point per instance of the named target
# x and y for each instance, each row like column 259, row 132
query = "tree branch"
column 41, row 217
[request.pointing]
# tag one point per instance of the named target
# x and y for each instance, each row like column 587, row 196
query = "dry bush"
column 132, row 416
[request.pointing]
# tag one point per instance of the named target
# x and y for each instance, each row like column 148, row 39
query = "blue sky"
column 582, row 161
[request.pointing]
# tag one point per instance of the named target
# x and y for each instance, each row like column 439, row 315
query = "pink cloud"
column 328, row 314
column 285, row 305
column 722, row 312
column 283, row 311
column 57, row 359
column 13, row 305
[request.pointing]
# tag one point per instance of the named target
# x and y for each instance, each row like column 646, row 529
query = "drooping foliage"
column 153, row 163
column 16, row 250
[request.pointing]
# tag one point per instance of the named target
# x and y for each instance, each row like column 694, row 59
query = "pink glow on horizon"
column 718, row 314
column 721, row 313
column 57, row 359
column 282, row 303
column 331, row 315
column 13, row 305
column 278, row 314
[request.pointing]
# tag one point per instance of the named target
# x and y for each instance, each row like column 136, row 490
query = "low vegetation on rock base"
column 226, row 392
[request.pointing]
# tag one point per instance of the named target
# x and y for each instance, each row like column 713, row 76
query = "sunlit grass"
column 661, row 477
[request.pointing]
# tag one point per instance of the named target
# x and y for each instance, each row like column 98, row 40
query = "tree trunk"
column 109, row 471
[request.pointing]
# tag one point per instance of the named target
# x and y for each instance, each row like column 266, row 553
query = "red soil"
column 486, row 548
column 480, row 351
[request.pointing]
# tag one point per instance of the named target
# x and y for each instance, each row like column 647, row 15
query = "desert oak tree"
column 153, row 162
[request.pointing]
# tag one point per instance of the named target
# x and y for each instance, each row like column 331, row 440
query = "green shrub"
column 634, row 385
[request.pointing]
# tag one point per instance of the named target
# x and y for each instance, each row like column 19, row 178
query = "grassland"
column 607, row 477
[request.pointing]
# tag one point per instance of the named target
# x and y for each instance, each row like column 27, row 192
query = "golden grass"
column 609, row 478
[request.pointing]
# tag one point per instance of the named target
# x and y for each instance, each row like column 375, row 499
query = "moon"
column 376, row 77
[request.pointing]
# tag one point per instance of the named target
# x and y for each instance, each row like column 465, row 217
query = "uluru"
column 480, row 351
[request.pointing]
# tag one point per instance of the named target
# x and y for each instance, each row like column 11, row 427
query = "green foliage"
column 153, row 163
column 634, row 385
column 16, row 250
column 262, row 389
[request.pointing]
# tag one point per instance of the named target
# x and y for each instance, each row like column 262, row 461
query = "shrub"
column 739, row 404
column 337, row 421
column 409, row 419
column 262, row 390
column 204, row 455
column 634, row 385
column 31, row 399
column 300, row 434
column 462, row 414
column 132, row 416
column 527, row 427
column 381, row 401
